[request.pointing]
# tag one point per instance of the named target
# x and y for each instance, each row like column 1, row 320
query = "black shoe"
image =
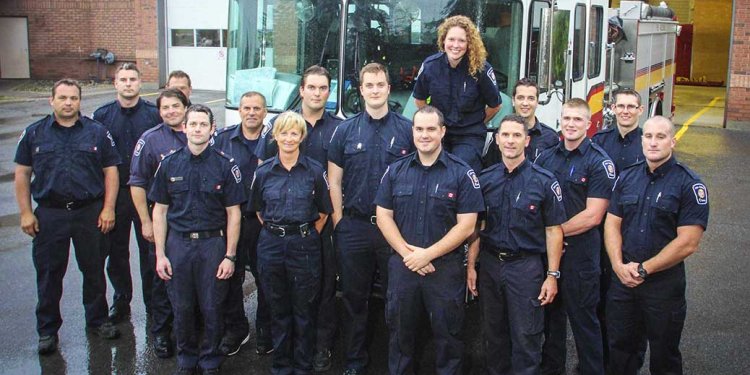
column 184, row 371
column 163, row 346
column 231, row 344
column 47, row 345
column 106, row 331
column 211, row 371
column 353, row 371
column 119, row 311
column 322, row 361
column 263, row 348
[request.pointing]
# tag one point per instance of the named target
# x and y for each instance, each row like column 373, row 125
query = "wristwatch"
column 642, row 271
column 555, row 274
column 233, row 258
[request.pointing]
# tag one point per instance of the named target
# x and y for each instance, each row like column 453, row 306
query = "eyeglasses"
column 629, row 107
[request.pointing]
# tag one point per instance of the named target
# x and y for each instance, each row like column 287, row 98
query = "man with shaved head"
column 657, row 214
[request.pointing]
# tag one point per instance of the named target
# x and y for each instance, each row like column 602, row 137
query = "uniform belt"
column 69, row 205
column 289, row 230
column 201, row 235
column 506, row 255
column 357, row 215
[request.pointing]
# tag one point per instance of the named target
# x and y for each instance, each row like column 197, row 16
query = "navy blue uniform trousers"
column 235, row 320
column 654, row 310
column 441, row 296
column 194, row 282
column 118, row 252
column 361, row 249
column 289, row 269
column 512, row 315
column 50, row 251
column 327, row 318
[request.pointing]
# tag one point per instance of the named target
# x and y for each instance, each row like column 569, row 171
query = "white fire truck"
column 562, row 44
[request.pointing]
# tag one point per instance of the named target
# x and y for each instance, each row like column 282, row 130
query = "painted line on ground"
column 151, row 94
column 695, row 117
column 214, row 101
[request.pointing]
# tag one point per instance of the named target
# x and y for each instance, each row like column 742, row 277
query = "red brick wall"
column 62, row 34
column 738, row 98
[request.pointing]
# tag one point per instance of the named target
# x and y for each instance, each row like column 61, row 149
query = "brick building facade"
column 62, row 35
column 737, row 114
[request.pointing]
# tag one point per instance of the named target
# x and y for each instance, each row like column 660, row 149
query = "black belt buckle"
column 373, row 220
column 304, row 230
column 70, row 205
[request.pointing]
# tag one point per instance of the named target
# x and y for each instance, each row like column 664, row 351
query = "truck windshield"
column 272, row 42
column 401, row 34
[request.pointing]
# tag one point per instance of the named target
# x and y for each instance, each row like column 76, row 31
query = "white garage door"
column 196, row 41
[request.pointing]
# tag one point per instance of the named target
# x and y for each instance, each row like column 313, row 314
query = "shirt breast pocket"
column 443, row 202
column 354, row 154
column 525, row 213
column 212, row 186
column 468, row 95
column 43, row 157
column 88, row 151
column 303, row 201
column 629, row 205
column 666, row 207
column 578, row 184
column 177, row 188
column 403, row 196
column 396, row 151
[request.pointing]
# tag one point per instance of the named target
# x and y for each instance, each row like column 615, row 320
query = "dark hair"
column 128, row 66
column 526, row 82
column 627, row 91
column 179, row 74
column 66, row 82
column 514, row 118
column 315, row 70
column 200, row 108
column 428, row 109
column 251, row 94
column 172, row 93
column 374, row 68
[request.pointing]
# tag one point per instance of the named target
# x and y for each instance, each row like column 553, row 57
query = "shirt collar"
column 525, row 164
column 537, row 129
column 663, row 169
column 383, row 120
column 200, row 157
column 582, row 148
column 442, row 159
column 53, row 122
column 301, row 161
column 132, row 109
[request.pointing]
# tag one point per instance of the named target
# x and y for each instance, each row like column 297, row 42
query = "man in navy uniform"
column 656, row 219
column 524, row 211
column 361, row 148
column 314, row 91
column 127, row 118
column 586, row 175
column 541, row 136
column 197, row 192
column 179, row 80
column 154, row 145
column 622, row 143
column 74, row 162
column 427, row 207
column 240, row 141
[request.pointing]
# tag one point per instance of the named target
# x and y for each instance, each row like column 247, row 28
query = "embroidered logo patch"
column 111, row 140
column 491, row 76
column 557, row 191
column 236, row 173
column 701, row 194
column 609, row 167
column 139, row 147
column 473, row 178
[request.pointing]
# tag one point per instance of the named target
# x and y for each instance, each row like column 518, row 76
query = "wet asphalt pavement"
column 714, row 340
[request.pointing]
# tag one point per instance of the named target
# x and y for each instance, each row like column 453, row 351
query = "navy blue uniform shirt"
column 363, row 147
column 461, row 97
column 653, row 205
column 232, row 142
column 586, row 172
column 126, row 126
column 293, row 196
column 316, row 142
column 624, row 151
column 67, row 162
column 155, row 144
column 197, row 188
column 426, row 200
column 520, row 205
column 542, row 137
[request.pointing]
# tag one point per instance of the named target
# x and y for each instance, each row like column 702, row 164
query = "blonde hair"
column 475, row 51
column 580, row 104
column 289, row 121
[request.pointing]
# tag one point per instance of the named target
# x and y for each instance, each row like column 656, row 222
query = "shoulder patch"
column 111, row 140
column 236, row 173
column 557, row 190
column 139, row 147
column 474, row 179
column 609, row 167
column 491, row 76
column 701, row 194
column 23, row 134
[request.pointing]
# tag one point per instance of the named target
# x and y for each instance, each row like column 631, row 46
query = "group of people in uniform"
column 309, row 199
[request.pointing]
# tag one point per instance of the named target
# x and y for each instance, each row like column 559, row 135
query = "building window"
column 207, row 38
column 579, row 42
column 595, row 41
column 183, row 38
